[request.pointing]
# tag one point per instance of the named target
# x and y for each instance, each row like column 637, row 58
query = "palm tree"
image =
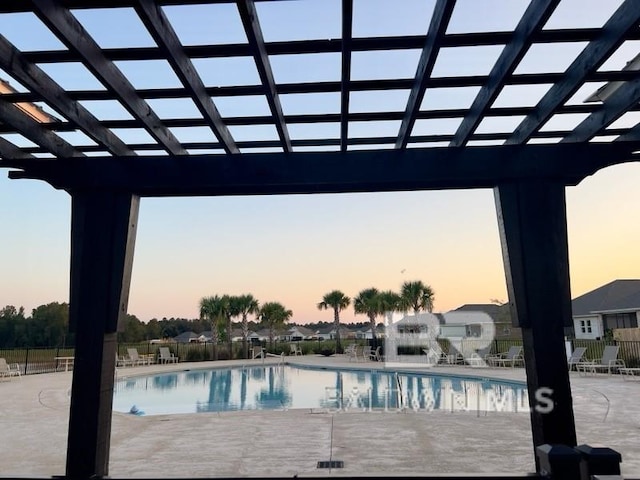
column 368, row 303
column 246, row 304
column 214, row 310
column 274, row 315
column 417, row 296
column 232, row 310
column 337, row 301
column 390, row 302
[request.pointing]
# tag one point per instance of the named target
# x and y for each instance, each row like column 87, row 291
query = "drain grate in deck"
column 331, row 464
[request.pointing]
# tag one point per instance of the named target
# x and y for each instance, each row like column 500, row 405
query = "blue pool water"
column 285, row 387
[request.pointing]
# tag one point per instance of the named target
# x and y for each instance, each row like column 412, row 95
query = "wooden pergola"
column 528, row 168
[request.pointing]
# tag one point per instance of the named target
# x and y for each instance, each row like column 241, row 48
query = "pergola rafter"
column 72, row 33
column 437, row 27
column 332, row 117
column 329, row 87
column 160, row 29
column 532, row 21
column 527, row 167
column 345, row 81
column 249, row 17
column 13, row 62
column 330, row 45
column 595, row 53
column 624, row 99
column 33, row 130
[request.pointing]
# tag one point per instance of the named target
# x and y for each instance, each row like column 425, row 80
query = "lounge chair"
column 350, row 351
column 629, row 373
column 577, row 357
column 513, row 356
column 122, row 361
column 608, row 361
column 479, row 358
column 257, row 351
column 166, row 356
column 453, row 356
column 366, row 352
column 434, row 354
column 7, row 371
column 135, row 358
column 295, row 349
column 375, row 355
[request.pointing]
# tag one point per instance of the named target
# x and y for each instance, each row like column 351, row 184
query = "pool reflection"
column 284, row 387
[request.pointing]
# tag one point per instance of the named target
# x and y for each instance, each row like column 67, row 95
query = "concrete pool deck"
column 34, row 416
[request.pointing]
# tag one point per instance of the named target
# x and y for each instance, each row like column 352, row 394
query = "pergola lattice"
column 528, row 166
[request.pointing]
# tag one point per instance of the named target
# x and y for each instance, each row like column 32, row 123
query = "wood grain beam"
column 613, row 33
column 69, row 30
column 347, row 27
column 33, row 77
column 532, row 21
column 251, row 23
column 329, row 172
column 437, row 27
column 165, row 36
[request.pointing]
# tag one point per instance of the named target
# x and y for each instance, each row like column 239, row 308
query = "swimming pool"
column 281, row 387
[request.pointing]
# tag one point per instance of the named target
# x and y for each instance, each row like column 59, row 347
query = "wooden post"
column 103, row 227
column 533, row 232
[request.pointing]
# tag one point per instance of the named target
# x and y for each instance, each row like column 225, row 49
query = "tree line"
column 48, row 325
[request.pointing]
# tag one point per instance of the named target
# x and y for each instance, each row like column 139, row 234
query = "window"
column 585, row 326
column 619, row 320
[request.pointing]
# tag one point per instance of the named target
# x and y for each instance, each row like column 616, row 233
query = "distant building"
column 186, row 337
column 615, row 305
column 296, row 334
column 501, row 316
column 329, row 333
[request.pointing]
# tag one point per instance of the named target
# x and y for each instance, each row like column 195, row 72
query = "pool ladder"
column 400, row 396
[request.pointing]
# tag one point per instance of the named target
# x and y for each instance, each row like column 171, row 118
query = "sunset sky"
column 293, row 249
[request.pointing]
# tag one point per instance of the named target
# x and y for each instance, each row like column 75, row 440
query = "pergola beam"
column 622, row 100
column 62, row 22
column 331, row 142
column 347, row 20
column 34, row 131
column 164, row 35
column 326, row 87
column 532, row 21
column 438, row 25
column 333, row 45
column 329, row 117
column 13, row 62
column 11, row 151
column 595, row 53
column 249, row 17
column 328, row 172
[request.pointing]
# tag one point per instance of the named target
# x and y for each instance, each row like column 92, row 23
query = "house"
column 186, row 337
column 615, row 305
column 365, row 333
column 296, row 334
column 329, row 333
column 500, row 314
column 236, row 336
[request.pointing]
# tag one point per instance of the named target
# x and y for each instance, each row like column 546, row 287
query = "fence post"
column 26, row 361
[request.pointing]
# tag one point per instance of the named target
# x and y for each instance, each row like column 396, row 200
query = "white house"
column 296, row 334
column 365, row 333
column 611, row 306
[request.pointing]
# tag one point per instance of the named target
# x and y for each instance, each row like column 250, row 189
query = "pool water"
column 286, row 387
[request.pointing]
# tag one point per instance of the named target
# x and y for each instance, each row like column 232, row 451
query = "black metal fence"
column 46, row 360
